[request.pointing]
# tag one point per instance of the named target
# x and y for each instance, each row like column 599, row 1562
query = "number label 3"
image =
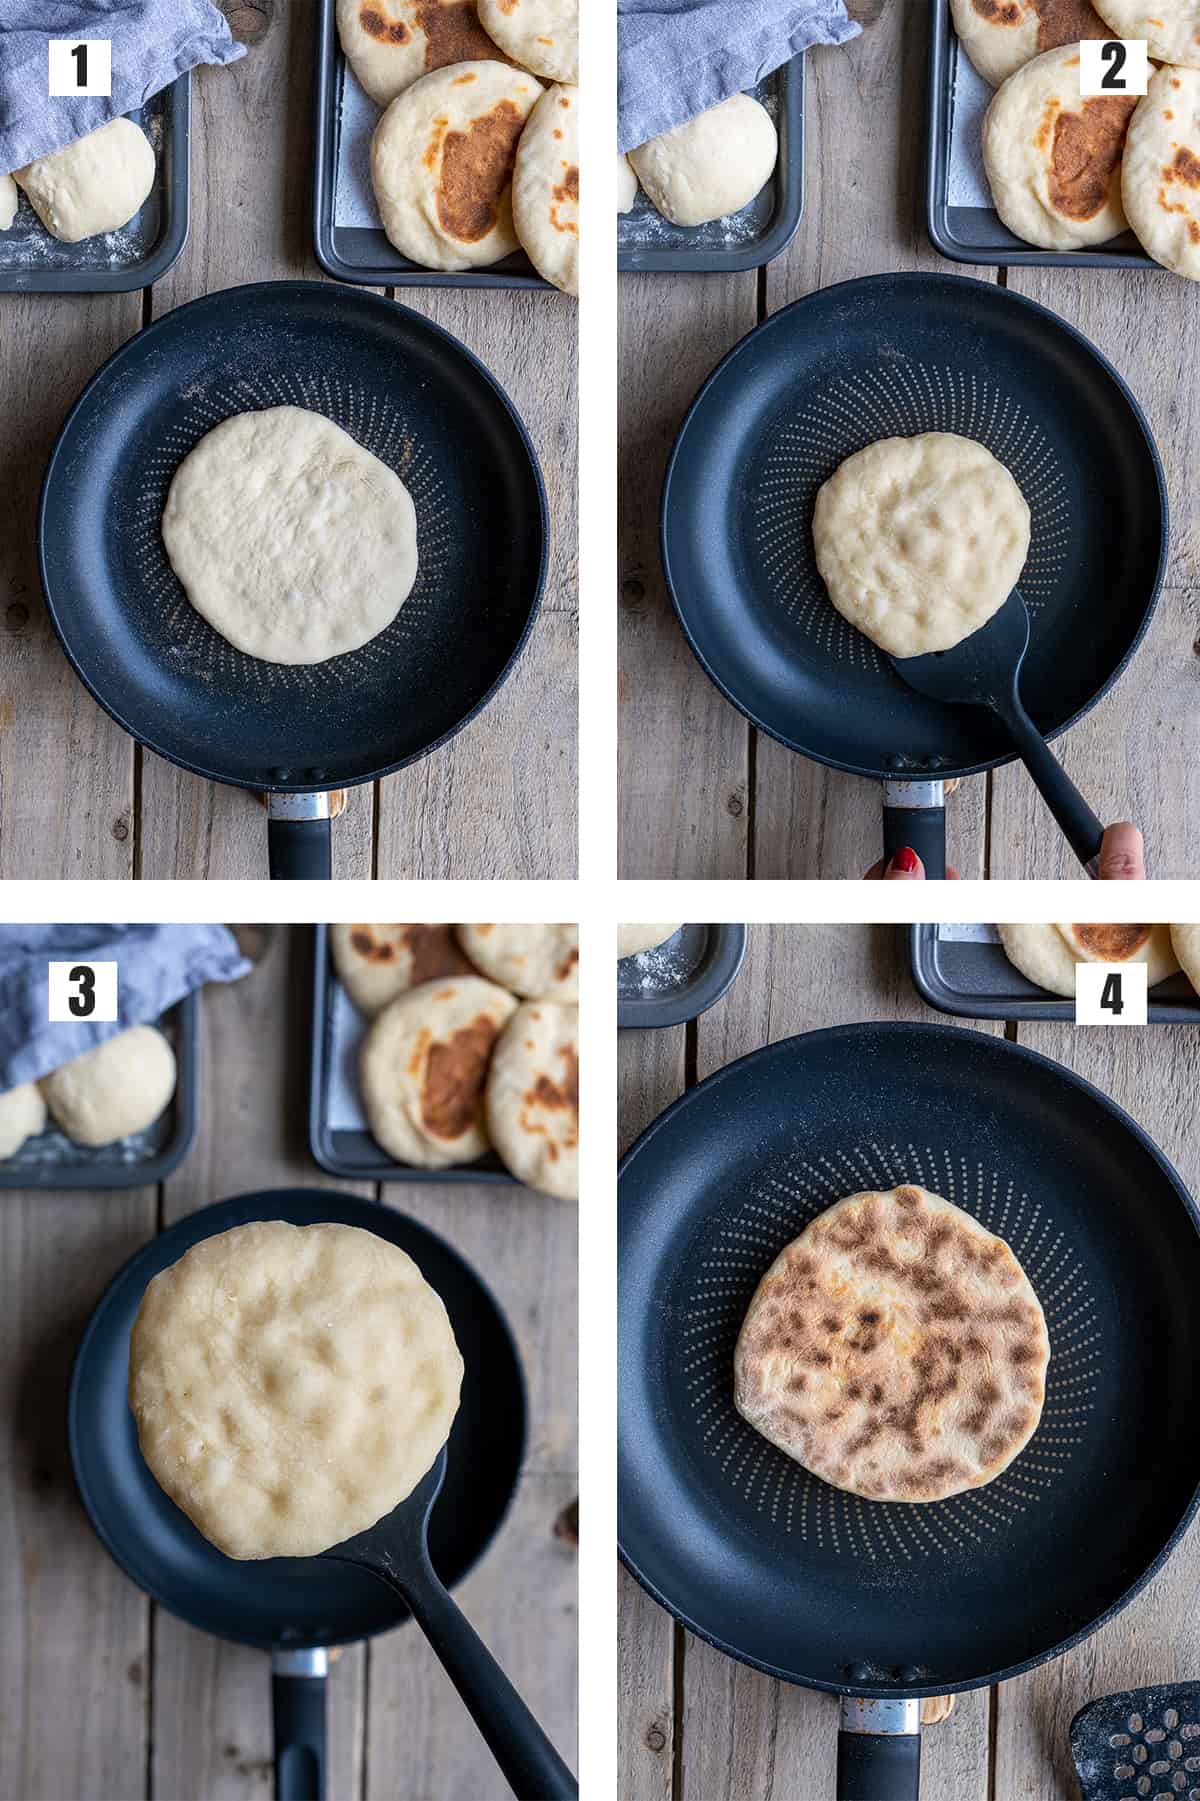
column 1113, row 66
column 80, row 68
column 82, row 991
column 1110, row 994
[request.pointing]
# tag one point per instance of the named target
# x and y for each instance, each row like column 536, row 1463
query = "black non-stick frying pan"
column 891, row 356
column 407, row 391
column 883, row 1602
column 294, row 1607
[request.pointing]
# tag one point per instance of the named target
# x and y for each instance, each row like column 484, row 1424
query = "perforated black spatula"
column 985, row 671
column 396, row 1549
column 1139, row 1745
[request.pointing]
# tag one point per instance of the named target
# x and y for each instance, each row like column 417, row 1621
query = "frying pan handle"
column 298, row 1710
column 531, row 1765
column 1080, row 826
column 914, row 814
column 298, row 843
column 879, row 1751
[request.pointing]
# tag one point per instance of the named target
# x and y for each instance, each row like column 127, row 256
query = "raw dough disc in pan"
column 294, row 542
column 919, row 540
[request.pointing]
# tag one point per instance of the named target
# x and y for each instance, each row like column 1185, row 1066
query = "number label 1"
column 82, row 991
column 1113, row 66
column 80, row 68
column 1110, row 994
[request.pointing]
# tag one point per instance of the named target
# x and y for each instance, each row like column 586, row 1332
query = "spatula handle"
column 1080, row 826
column 531, row 1765
column 914, row 815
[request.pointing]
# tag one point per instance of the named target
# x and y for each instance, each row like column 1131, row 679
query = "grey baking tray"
column 962, row 222
column 962, row 969
column 32, row 262
column 680, row 979
column 51, row 1160
column 646, row 241
column 349, row 240
column 337, row 1127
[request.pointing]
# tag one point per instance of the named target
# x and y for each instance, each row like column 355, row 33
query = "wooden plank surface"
column 865, row 155
column 77, row 797
column 102, row 1697
column 699, row 1726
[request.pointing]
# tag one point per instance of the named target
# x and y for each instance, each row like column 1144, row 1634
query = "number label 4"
column 1113, row 66
column 1110, row 994
column 82, row 991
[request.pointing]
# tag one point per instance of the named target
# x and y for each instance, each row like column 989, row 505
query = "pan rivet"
column 281, row 775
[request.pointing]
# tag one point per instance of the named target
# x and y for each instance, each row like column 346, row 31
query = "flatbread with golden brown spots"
column 423, row 1067
column 1047, row 954
column 391, row 43
column 896, row 1349
column 533, row 1097
column 1001, row 36
column 376, row 963
column 1160, row 176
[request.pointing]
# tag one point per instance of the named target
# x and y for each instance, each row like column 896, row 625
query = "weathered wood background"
column 105, row 1697
column 703, row 794
column 695, row 1725
column 77, row 796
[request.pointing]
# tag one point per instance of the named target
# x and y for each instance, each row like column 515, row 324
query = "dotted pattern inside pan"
column 386, row 432
column 798, row 1505
column 896, row 356
column 895, row 400
column 778, row 1567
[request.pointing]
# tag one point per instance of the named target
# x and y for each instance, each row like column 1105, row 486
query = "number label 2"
column 1113, row 66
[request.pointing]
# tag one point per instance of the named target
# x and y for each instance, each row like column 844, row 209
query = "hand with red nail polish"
column 904, row 866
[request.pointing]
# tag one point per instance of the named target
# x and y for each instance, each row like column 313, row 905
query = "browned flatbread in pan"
column 896, row 1349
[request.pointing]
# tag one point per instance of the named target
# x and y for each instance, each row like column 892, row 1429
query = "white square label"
column 83, row 991
column 80, row 66
column 1113, row 66
column 1110, row 994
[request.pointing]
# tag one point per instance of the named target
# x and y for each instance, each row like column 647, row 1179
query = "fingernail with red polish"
column 905, row 862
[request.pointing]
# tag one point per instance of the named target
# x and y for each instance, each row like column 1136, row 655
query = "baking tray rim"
column 713, row 261
column 923, row 934
column 172, row 240
column 105, row 1177
column 401, row 275
column 714, row 978
column 320, row 1135
column 937, row 209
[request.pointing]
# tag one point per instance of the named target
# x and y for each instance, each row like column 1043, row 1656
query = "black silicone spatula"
column 396, row 1549
column 1140, row 1745
column 985, row 671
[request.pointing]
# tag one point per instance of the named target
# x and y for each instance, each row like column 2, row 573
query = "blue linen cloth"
column 153, row 41
column 676, row 58
column 158, row 966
